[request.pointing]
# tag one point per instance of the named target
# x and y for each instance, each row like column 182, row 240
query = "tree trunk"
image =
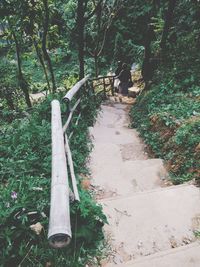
column 22, row 82
column 9, row 100
column 44, row 46
column 80, row 21
column 96, row 64
column 168, row 23
column 42, row 63
column 148, row 65
column 147, row 71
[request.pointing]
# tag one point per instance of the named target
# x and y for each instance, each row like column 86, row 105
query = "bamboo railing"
column 106, row 82
column 59, row 233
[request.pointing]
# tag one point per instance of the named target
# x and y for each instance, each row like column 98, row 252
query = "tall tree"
column 23, row 84
column 84, row 14
column 98, row 29
column 32, row 24
column 44, row 43
column 168, row 23
column 80, row 23
column 148, row 62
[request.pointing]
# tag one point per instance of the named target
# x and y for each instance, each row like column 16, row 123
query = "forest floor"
column 150, row 221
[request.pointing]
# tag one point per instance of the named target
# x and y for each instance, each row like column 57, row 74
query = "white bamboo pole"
column 59, row 233
column 71, row 167
column 75, row 89
column 79, row 116
column 70, row 115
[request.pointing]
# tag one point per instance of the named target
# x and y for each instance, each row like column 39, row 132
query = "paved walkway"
column 151, row 224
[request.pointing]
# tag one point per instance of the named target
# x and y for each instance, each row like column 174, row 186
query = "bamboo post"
column 104, row 87
column 70, row 115
column 112, row 85
column 92, row 87
column 59, row 233
column 71, row 167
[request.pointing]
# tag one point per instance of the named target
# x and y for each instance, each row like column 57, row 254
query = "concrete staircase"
column 150, row 224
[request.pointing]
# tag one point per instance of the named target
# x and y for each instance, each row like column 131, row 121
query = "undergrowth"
column 168, row 118
column 25, row 170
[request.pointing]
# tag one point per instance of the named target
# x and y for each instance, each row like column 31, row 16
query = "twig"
column 25, row 256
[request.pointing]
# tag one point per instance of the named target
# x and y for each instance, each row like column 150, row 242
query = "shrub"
column 25, row 191
column 168, row 120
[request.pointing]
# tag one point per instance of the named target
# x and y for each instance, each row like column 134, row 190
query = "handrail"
column 69, row 95
column 70, row 115
column 59, row 233
column 71, row 166
column 109, row 77
column 103, row 77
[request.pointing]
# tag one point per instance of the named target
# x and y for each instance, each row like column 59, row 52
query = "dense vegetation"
column 25, row 187
column 167, row 113
column 47, row 45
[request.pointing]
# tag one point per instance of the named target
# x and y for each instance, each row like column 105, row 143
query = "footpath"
column 151, row 222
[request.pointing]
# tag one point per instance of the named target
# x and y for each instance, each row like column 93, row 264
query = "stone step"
column 151, row 221
column 114, row 135
column 185, row 256
column 117, row 171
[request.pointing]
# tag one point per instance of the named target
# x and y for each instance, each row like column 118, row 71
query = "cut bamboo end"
column 75, row 89
column 59, row 240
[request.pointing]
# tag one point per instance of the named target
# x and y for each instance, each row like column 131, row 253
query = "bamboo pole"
column 102, row 77
column 71, row 167
column 79, row 116
column 104, row 87
column 59, row 233
column 69, row 95
column 112, row 86
column 70, row 115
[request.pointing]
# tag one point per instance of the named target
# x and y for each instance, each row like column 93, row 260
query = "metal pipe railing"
column 59, row 233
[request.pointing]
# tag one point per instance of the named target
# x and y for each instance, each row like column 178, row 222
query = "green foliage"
column 197, row 234
column 8, row 84
column 167, row 115
column 158, row 25
column 63, row 70
column 25, row 165
column 130, row 52
column 188, row 133
column 168, row 120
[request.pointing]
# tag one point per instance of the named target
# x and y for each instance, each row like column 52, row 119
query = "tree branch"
column 94, row 11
